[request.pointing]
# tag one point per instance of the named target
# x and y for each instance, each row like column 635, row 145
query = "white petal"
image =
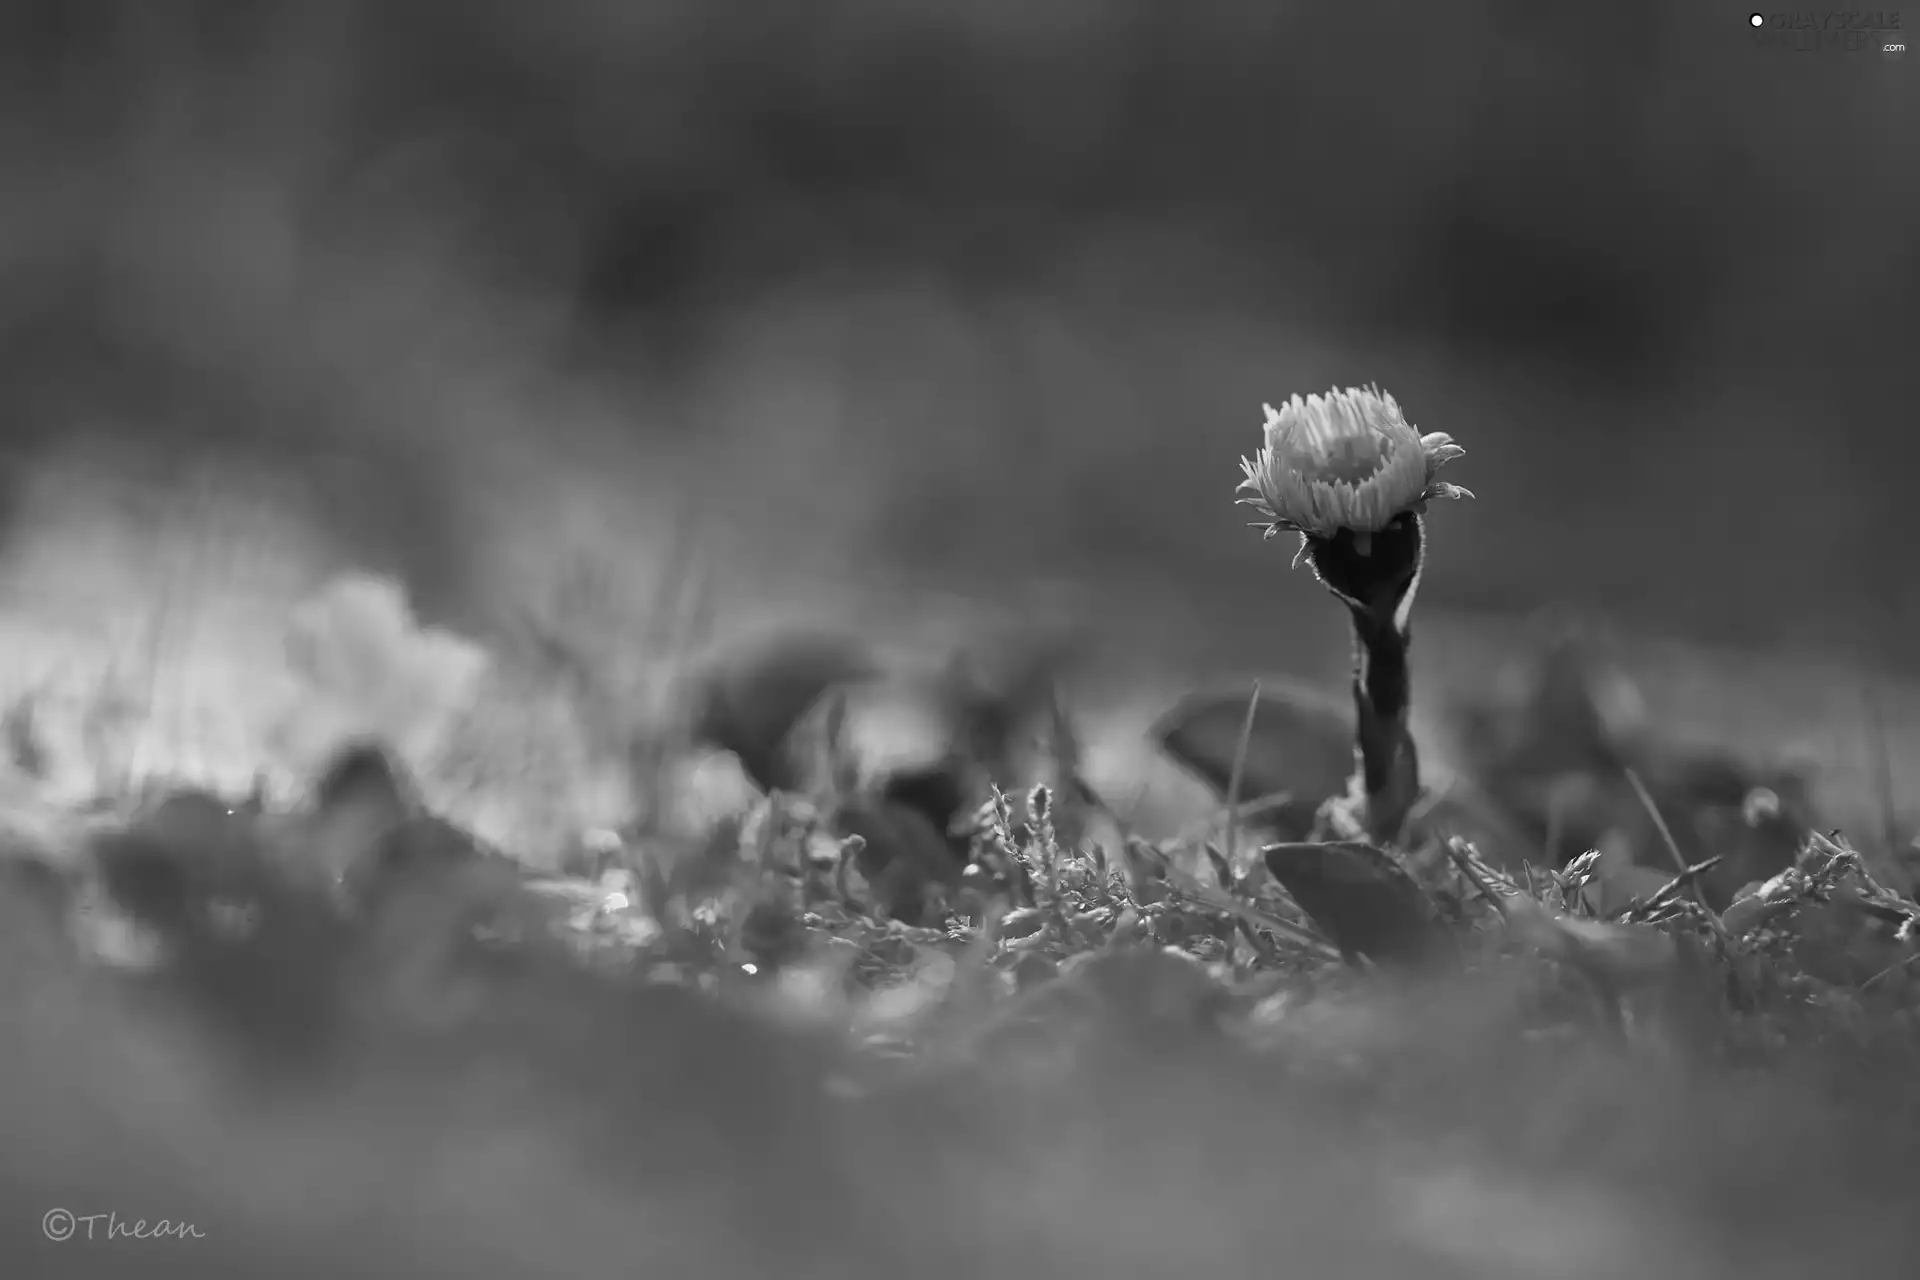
column 1440, row 454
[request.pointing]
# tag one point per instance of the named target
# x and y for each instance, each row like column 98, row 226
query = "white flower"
column 1346, row 460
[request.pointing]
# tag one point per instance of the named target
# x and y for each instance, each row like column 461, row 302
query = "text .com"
column 1830, row 31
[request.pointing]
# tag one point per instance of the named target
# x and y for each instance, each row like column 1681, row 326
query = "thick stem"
column 1377, row 586
column 1382, row 695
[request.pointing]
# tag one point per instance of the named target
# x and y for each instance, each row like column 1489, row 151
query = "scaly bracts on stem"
column 1377, row 589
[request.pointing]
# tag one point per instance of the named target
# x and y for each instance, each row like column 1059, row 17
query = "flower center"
column 1352, row 459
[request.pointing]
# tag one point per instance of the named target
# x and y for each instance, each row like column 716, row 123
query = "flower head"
column 1346, row 460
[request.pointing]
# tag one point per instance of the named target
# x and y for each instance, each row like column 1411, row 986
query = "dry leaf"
column 1361, row 898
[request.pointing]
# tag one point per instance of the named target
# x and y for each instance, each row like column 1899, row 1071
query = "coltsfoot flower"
column 1346, row 460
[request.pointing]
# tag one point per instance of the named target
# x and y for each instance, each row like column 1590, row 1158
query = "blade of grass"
column 1659, row 823
column 1673, row 849
column 1237, row 775
column 1188, row 887
column 703, row 606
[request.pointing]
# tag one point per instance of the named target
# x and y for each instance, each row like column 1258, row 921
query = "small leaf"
column 1362, row 898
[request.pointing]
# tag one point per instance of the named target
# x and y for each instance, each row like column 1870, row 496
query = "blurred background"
column 967, row 292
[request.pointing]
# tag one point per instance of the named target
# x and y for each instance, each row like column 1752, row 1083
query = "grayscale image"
column 881, row 639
